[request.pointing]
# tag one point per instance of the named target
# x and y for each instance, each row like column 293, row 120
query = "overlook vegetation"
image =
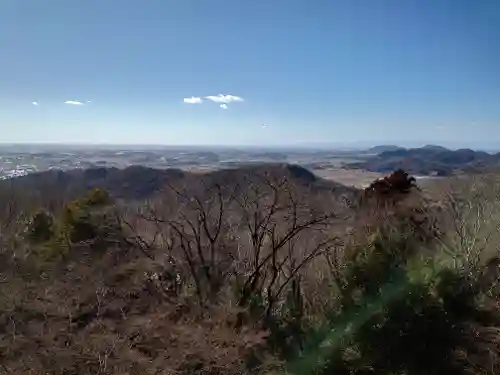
column 258, row 270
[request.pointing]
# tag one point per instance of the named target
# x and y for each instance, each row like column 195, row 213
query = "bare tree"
column 258, row 233
column 472, row 208
column 285, row 234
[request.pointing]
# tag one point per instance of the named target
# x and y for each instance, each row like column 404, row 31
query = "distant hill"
column 435, row 148
column 428, row 160
column 138, row 182
column 135, row 182
column 382, row 148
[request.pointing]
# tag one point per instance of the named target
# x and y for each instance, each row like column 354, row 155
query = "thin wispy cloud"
column 35, row 103
column 74, row 102
column 221, row 99
column 193, row 100
column 224, row 98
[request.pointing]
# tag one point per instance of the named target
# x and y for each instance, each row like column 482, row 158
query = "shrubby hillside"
column 258, row 270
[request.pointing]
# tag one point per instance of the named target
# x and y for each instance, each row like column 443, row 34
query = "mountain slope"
column 137, row 182
column 428, row 160
column 382, row 148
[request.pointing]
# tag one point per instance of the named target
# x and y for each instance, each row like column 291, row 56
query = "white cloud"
column 224, row 98
column 34, row 103
column 193, row 100
column 264, row 126
column 74, row 102
column 221, row 98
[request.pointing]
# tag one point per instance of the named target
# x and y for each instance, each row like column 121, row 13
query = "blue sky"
column 288, row 71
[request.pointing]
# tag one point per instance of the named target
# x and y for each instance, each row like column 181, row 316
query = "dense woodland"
column 258, row 270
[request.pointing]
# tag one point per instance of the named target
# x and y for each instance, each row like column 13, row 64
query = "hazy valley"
column 350, row 167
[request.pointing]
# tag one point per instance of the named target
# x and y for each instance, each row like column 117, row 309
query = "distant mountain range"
column 426, row 160
column 382, row 148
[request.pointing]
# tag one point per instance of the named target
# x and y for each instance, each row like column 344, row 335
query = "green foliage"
column 54, row 249
column 95, row 198
column 289, row 328
column 46, row 238
column 77, row 222
column 402, row 311
column 41, row 227
column 84, row 219
column 403, row 315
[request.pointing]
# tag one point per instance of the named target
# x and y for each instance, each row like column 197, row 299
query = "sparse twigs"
column 104, row 357
column 10, row 213
column 132, row 232
column 204, row 236
column 472, row 206
column 100, row 294
column 284, row 236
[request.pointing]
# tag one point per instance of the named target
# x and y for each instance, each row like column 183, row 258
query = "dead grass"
column 258, row 275
column 349, row 177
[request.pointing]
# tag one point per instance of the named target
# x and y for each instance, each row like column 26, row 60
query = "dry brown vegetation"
column 359, row 178
column 252, row 271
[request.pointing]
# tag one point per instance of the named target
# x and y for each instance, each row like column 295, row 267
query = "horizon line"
column 301, row 145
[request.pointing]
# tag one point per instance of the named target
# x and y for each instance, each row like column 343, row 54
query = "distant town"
column 24, row 159
column 351, row 167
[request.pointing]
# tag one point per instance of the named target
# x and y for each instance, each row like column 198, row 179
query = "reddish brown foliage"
column 393, row 186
